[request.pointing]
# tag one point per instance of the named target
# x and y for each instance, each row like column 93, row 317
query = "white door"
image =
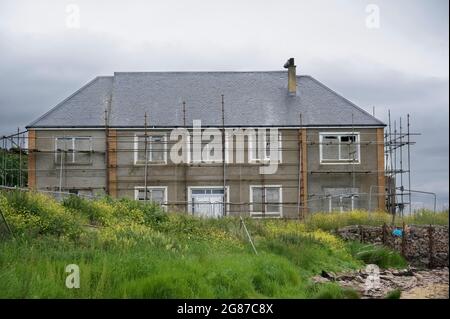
column 207, row 202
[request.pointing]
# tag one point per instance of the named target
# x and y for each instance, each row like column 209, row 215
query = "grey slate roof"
column 85, row 107
column 251, row 99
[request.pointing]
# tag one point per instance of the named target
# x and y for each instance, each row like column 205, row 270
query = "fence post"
column 403, row 240
column 430, row 246
column 361, row 234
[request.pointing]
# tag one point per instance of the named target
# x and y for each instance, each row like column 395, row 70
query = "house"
column 193, row 141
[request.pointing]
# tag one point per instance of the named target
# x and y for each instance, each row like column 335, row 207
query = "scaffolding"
column 398, row 142
column 397, row 171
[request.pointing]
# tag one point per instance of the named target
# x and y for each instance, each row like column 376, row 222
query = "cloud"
column 403, row 66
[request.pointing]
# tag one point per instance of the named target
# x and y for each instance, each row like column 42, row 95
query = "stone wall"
column 420, row 245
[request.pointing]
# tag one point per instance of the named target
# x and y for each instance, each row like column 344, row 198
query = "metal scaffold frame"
column 397, row 152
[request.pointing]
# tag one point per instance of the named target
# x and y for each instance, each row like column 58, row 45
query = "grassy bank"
column 330, row 221
column 128, row 249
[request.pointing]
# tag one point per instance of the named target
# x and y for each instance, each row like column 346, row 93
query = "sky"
column 379, row 54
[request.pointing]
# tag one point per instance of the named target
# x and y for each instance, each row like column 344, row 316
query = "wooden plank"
column 304, row 172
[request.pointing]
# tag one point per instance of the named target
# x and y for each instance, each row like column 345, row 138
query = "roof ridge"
column 200, row 72
column 57, row 106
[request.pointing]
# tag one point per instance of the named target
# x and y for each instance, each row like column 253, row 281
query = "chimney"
column 292, row 76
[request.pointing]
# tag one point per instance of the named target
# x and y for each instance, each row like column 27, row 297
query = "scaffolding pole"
column 300, row 168
column 145, row 157
column 185, row 159
column 223, row 159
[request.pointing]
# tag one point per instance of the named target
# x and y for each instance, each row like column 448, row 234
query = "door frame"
column 190, row 188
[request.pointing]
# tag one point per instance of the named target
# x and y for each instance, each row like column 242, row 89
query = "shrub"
column 33, row 213
column 394, row 294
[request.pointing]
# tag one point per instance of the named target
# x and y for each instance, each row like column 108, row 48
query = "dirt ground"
column 413, row 283
column 431, row 291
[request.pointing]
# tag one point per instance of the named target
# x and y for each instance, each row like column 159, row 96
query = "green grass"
column 334, row 291
column 331, row 221
column 381, row 256
column 394, row 294
column 127, row 249
column 426, row 217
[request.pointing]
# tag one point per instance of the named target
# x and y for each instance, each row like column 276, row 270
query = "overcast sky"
column 400, row 65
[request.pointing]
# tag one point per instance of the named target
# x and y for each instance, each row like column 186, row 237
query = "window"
column 265, row 200
column 260, row 149
column 208, row 201
column 156, row 149
column 156, row 194
column 341, row 198
column 74, row 150
column 339, row 148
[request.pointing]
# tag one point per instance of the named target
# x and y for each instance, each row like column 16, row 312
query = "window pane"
column 141, row 194
column 217, row 191
column 157, row 148
column 348, row 147
column 157, row 195
column 64, row 146
column 141, row 148
column 273, row 196
column 257, row 199
column 330, row 148
column 82, row 150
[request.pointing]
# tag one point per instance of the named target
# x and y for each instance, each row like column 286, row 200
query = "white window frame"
column 74, row 151
column 340, row 161
column 267, row 214
column 252, row 156
column 138, row 188
column 227, row 191
column 149, row 159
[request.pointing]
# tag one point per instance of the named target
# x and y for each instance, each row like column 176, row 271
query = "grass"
column 128, row 249
column 394, row 294
column 331, row 221
column 381, row 256
column 334, row 291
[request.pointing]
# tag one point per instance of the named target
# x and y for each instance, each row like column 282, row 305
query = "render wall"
column 363, row 176
column 239, row 177
column 88, row 179
column 92, row 179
